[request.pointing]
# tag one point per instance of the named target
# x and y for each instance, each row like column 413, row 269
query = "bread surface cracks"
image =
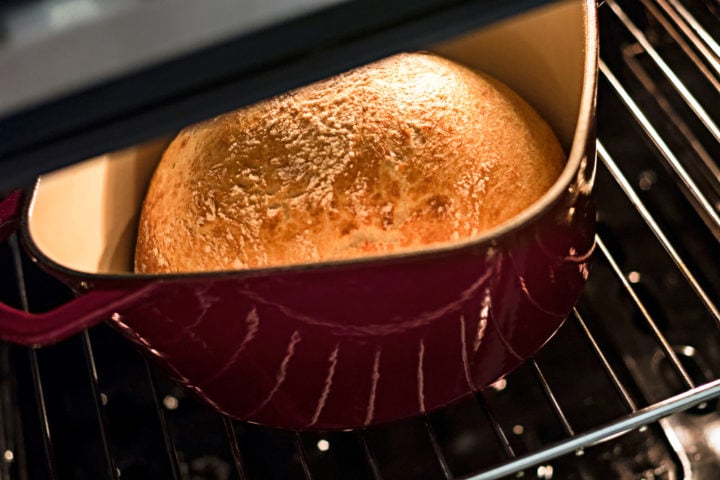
column 411, row 151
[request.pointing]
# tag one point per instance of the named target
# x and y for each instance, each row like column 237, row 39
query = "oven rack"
column 670, row 147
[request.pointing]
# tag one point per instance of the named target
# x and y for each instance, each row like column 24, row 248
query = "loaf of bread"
column 408, row 152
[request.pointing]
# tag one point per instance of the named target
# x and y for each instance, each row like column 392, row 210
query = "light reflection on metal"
column 499, row 385
column 646, row 180
column 170, row 402
column 545, row 472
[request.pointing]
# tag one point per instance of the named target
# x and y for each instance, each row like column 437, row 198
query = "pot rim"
column 488, row 238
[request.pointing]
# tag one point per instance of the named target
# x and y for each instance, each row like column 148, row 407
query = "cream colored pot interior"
column 84, row 217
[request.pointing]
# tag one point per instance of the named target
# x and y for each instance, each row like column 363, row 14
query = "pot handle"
column 62, row 322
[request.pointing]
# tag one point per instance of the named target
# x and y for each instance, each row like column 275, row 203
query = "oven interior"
column 628, row 388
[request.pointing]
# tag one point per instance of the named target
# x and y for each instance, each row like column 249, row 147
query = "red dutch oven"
column 348, row 343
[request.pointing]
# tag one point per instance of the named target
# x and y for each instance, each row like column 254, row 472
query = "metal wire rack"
column 642, row 345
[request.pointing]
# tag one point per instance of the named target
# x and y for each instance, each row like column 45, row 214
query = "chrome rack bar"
column 551, row 397
column 624, row 184
column 12, row 435
column 659, row 337
column 447, row 473
column 657, row 140
column 167, row 438
column 687, row 97
column 370, row 456
column 42, row 412
column 234, row 447
column 497, row 428
column 635, row 66
column 5, row 425
column 99, row 412
column 625, row 424
column 622, row 391
column 690, row 34
column 5, row 440
column 34, row 366
column 699, row 30
column 302, row 455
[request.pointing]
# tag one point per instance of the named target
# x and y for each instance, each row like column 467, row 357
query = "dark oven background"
column 627, row 389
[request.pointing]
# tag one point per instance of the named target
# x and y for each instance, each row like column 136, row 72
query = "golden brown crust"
column 406, row 152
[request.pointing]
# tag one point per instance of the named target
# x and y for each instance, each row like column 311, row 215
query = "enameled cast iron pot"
column 350, row 343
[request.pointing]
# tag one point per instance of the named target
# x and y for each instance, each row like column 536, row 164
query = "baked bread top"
column 411, row 151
